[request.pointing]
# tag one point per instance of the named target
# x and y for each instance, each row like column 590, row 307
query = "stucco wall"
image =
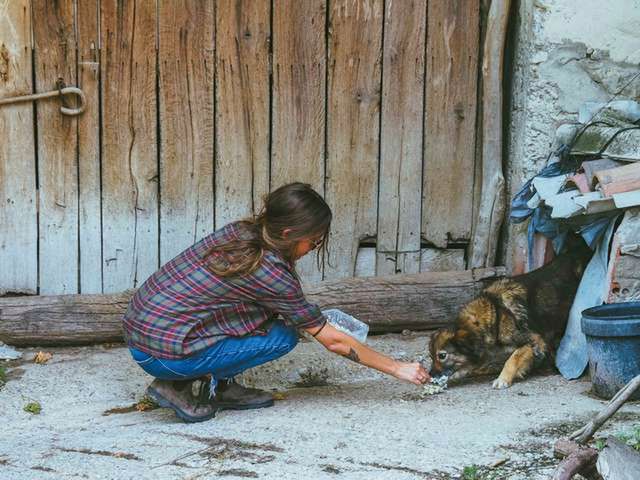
column 563, row 53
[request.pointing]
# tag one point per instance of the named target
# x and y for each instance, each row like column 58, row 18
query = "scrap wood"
column 585, row 461
column 581, row 461
column 584, row 434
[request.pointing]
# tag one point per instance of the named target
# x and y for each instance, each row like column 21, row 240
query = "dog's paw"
column 499, row 383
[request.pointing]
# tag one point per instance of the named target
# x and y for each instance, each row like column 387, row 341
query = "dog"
column 513, row 326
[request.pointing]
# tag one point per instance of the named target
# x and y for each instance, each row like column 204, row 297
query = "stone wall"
column 562, row 53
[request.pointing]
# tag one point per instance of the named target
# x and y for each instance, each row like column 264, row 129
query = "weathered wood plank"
column 298, row 101
column 54, row 58
column 399, row 219
column 492, row 205
column 353, row 109
column 388, row 304
column 89, row 148
column 450, row 120
column 129, row 149
column 186, row 64
column 18, row 217
column 243, row 34
column 434, row 260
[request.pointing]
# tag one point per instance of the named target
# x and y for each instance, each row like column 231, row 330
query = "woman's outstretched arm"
column 339, row 342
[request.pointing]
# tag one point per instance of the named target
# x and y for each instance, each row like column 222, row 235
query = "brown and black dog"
column 513, row 326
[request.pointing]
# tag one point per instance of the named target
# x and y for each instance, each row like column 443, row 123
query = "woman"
column 233, row 301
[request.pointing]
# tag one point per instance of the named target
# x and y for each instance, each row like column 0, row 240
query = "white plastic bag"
column 347, row 324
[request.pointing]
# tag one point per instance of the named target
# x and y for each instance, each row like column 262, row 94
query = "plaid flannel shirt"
column 184, row 308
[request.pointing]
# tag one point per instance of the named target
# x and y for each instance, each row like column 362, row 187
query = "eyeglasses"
column 316, row 243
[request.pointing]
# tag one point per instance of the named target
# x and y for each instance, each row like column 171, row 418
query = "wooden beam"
column 492, row 197
column 388, row 304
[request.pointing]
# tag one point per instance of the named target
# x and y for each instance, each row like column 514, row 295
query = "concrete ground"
column 334, row 420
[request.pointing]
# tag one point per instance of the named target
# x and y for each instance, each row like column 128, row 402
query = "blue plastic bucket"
column 613, row 344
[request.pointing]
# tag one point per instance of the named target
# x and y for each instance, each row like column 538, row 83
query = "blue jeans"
column 225, row 358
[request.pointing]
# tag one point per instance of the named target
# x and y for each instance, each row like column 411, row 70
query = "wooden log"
column 618, row 461
column 492, row 199
column 388, row 304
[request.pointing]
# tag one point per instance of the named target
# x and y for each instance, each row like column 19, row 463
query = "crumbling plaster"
column 561, row 54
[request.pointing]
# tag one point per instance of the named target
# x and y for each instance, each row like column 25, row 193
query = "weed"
column 599, row 443
column 145, row 404
column 471, row 472
column 33, row 407
column 631, row 438
column 3, row 376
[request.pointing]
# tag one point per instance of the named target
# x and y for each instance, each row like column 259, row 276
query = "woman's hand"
column 412, row 372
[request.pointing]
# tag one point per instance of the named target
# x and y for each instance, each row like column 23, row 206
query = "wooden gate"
column 196, row 109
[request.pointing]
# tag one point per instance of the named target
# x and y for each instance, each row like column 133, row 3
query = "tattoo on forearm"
column 353, row 356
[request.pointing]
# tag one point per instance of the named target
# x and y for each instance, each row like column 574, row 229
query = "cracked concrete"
column 333, row 419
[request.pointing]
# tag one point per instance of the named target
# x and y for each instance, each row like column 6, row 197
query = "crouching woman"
column 233, row 301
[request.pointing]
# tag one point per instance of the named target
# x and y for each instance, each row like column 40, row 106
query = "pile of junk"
column 591, row 186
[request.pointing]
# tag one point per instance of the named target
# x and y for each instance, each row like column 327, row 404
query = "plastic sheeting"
column 572, row 358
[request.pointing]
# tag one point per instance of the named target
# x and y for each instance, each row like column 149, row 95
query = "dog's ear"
column 467, row 343
column 439, row 340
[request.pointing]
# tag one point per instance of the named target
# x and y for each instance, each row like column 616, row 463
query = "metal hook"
column 55, row 93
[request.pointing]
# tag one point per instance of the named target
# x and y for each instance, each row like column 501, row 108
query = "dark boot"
column 179, row 396
column 232, row 396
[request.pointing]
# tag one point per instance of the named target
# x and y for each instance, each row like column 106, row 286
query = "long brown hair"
column 295, row 207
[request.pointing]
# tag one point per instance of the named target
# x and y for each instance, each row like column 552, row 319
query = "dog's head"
column 460, row 352
column 450, row 354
